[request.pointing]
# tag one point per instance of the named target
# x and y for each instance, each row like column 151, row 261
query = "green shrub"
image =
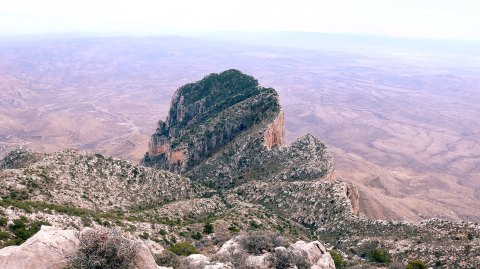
column 23, row 229
column 254, row 225
column 4, row 235
column 416, row 264
column 183, row 249
column 197, row 236
column 470, row 236
column 379, row 256
column 338, row 259
column 234, row 229
column 144, row 235
column 208, row 228
column 3, row 221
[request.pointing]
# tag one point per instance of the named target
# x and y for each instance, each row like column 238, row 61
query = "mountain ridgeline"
column 226, row 129
column 217, row 169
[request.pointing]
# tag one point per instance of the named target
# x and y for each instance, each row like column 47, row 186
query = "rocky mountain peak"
column 227, row 129
column 206, row 115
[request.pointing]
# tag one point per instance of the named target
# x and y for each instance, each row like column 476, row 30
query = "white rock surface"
column 51, row 247
column 47, row 249
column 231, row 246
column 317, row 254
column 218, row 266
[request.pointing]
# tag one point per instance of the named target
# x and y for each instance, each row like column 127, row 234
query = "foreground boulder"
column 316, row 253
column 51, row 248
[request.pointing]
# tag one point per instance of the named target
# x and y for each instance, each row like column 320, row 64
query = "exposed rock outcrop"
column 274, row 135
column 51, row 248
column 20, row 159
column 225, row 130
column 79, row 179
column 313, row 254
column 47, row 249
column 354, row 197
column 317, row 254
column 206, row 115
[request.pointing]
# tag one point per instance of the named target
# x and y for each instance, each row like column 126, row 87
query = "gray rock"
column 50, row 248
column 47, row 249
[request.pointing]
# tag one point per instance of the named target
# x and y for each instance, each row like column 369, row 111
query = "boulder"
column 231, row 246
column 317, row 254
column 198, row 260
column 260, row 261
column 47, row 249
column 50, row 248
column 218, row 265
column 145, row 259
column 201, row 261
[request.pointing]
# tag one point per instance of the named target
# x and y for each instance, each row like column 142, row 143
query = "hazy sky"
column 452, row 19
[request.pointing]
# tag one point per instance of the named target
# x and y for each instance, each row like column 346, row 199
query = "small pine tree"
column 208, row 228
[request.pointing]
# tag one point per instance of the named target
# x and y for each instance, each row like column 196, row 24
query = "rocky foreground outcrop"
column 47, row 249
column 224, row 134
column 226, row 129
column 311, row 255
column 51, row 248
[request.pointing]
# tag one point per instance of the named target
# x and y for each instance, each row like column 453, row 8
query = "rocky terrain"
column 230, row 175
column 366, row 104
column 225, row 130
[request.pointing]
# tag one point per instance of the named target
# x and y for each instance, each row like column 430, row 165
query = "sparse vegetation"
column 338, row 259
column 416, row 264
column 379, row 256
column 22, row 229
column 104, row 248
column 284, row 259
column 282, row 194
column 197, row 236
column 234, row 229
column 3, row 221
column 259, row 242
column 238, row 259
column 168, row 259
column 183, row 249
column 208, row 228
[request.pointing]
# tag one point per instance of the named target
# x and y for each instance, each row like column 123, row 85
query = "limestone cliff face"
column 226, row 129
column 274, row 136
column 206, row 115
column 354, row 196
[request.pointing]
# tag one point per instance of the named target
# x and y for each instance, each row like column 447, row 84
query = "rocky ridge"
column 225, row 130
column 240, row 181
